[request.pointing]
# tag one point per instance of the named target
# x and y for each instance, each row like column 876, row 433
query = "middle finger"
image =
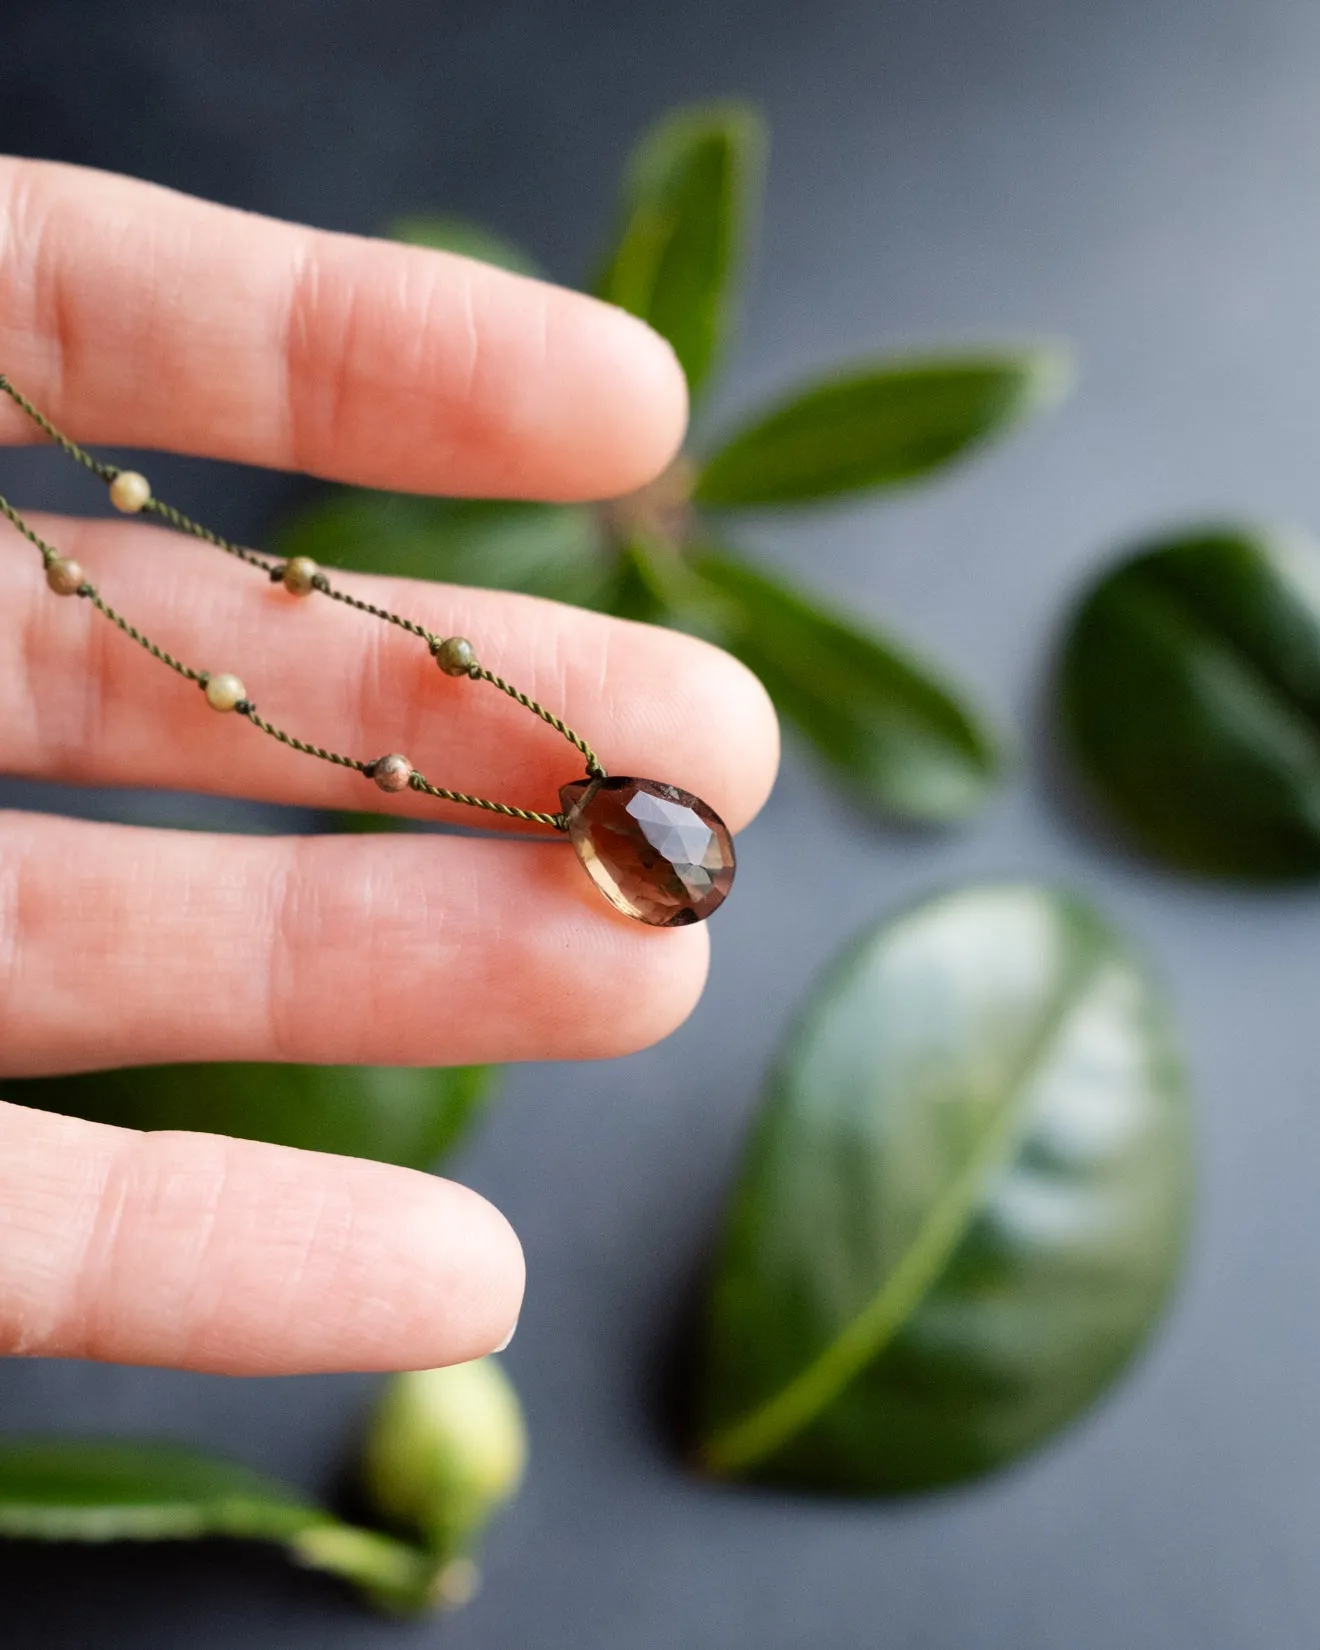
column 80, row 702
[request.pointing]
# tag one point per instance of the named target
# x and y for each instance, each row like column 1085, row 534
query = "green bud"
column 445, row 1450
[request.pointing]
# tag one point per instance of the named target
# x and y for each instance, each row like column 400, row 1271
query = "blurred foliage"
column 878, row 427
column 875, row 713
column 447, row 1448
column 962, row 1208
column 395, row 1114
column 554, row 550
column 893, row 732
column 689, row 191
column 456, row 1436
column 1190, row 697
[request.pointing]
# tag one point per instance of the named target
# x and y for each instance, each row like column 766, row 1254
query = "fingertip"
column 478, row 1275
column 669, row 975
column 383, row 1268
column 743, row 729
column 699, row 714
column 631, row 398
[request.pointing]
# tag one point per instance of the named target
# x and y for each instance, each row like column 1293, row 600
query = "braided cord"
column 107, row 472
column 481, row 674
column 48, row 551
column 49, row 555
column 276, row 571
column 134, row 635
column 185, row 524
column 323, row 584
column 508, row 810
column 250, row 711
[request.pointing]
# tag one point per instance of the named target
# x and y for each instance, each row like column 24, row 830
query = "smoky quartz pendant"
column 657, row 853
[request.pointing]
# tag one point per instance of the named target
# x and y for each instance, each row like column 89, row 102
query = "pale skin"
column 140, row 318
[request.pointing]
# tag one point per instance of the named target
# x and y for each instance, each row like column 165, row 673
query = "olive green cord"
column 107, row 472
column 275, row 571
column 185, row 524
column 479, row 673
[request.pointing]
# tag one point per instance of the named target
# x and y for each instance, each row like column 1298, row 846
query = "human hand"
column 135, row 316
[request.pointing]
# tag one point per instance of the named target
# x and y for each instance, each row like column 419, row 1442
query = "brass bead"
column 392, row 772
column 64, row 577
column 455, row 656
column 224, row 692
column 300, row 576
column 130, row 492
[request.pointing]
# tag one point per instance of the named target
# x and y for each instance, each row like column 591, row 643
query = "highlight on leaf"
column 963, row 1207
column 1189, row 694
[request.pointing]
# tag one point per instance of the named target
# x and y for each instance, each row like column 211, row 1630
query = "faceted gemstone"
column 658, row 853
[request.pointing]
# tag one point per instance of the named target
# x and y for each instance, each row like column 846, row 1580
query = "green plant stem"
column 399, row 1577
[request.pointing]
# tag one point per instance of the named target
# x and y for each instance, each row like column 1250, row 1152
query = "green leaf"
column 691, row 187
column 553, row 550
column 395, row 1114
column 468, row 240
column 85, row 1490
column 963, row 1206
column 900, row 739
column 881, row 425
column 1190, row 688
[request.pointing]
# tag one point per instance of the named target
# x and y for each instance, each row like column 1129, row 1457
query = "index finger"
column 144, row 318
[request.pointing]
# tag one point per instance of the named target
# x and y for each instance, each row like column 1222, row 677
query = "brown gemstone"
column 658, row 853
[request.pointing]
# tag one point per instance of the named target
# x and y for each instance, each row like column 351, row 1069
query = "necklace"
column 656, row 852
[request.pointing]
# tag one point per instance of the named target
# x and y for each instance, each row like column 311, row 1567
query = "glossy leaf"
column 468, row 240
column 691, row 185
column 395, row 1114
column 900, row 739
column 878, row 426
column 963, row 1205
column 554, row 550
column 1191, row 698
column 83, row 1490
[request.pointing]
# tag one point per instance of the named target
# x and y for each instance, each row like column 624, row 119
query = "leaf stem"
column 398, row 1576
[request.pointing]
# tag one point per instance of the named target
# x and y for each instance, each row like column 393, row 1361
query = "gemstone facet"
column 657, row 853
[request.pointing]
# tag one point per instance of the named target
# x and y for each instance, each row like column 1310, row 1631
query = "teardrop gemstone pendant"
column 657, row 853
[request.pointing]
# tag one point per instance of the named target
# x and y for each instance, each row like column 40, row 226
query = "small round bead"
column 299, row 576
column 130, row 492
column 224, row 692
column 455, row 656
column 392, row 772
column 65, row 578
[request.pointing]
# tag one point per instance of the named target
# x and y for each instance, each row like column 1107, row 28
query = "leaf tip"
column 1050, row 374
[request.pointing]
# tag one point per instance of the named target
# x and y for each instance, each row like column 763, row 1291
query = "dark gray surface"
column 1139, row 176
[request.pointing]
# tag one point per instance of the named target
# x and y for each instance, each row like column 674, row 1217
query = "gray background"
column 1139, row 176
